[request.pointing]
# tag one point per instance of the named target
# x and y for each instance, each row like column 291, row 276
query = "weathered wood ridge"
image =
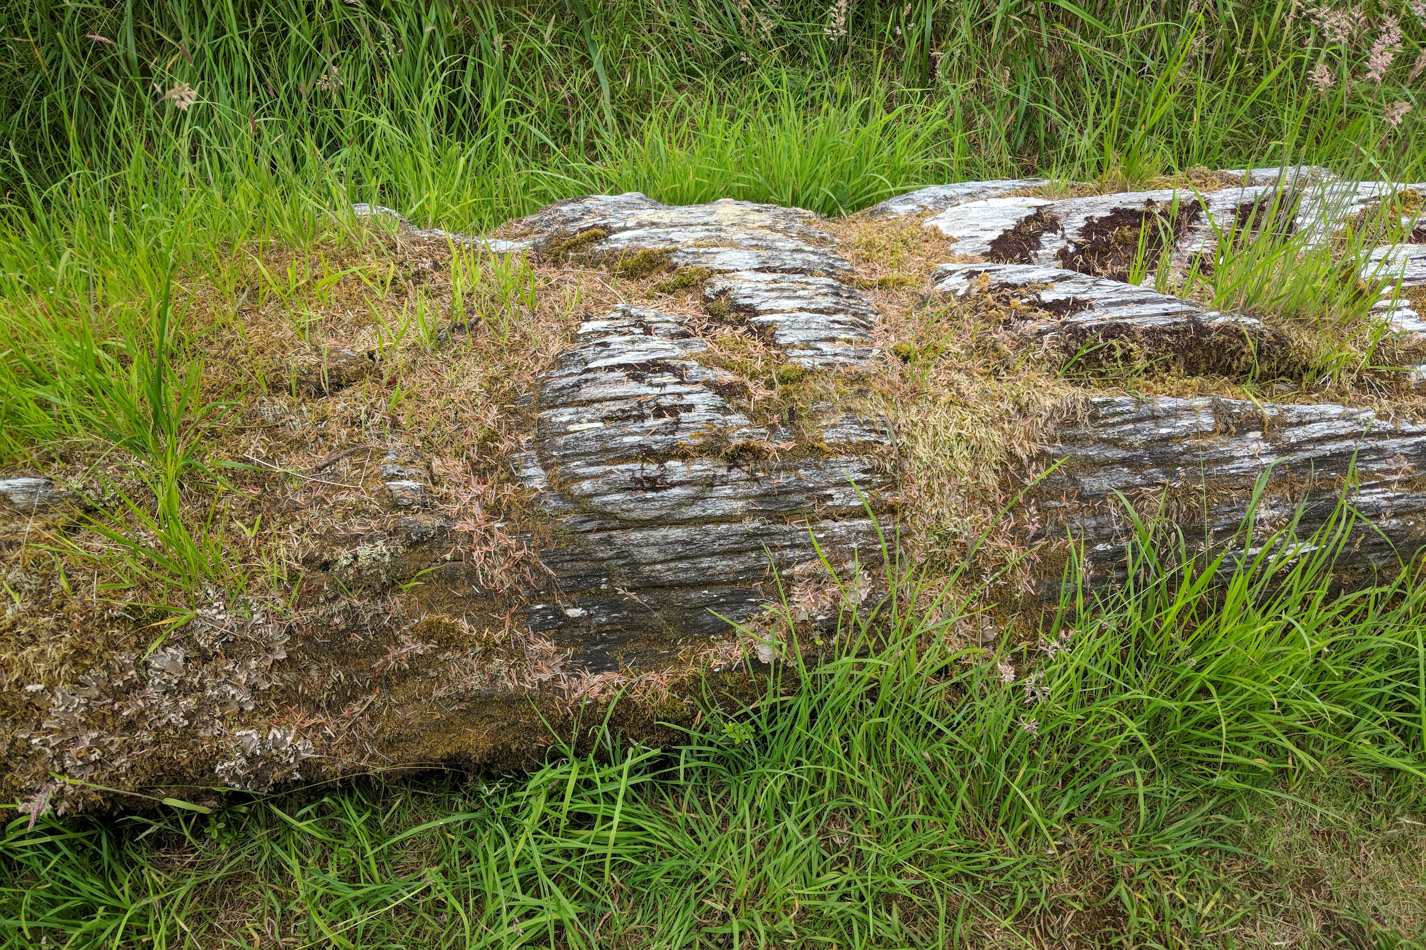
column 663, row 503
column 674, row 505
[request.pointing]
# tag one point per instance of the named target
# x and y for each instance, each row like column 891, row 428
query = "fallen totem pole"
column 667, row 511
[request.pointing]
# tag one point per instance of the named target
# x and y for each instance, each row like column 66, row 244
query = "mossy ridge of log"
column 723, row 236
column 407, row 229
column 1090, row 320
column 940, row 197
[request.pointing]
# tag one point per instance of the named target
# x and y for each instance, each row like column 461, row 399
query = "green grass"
column 1180, row 769
column 1239, row 767
column 471, row 115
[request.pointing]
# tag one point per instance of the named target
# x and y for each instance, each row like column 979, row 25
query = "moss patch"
column 790, row 373
column 642, row 264
column 889, row 254
column 1416, row 296
column 570, row 246
column 719, row 308
column 1019, row 244
column 684, row 279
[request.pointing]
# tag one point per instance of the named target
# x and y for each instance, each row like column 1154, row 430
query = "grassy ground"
column 1187, row 769
column 1171, row 773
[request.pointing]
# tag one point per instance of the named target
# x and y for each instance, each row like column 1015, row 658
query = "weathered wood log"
column 666, row 492
column 29, row 493
column 1092, row 319
column 1402, row 267
column 1107, row 234
column 1195, row 463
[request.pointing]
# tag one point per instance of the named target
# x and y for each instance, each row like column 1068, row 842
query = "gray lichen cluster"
column 105, row 727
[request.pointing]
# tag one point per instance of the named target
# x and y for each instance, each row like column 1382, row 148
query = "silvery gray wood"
column 1197, row 461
